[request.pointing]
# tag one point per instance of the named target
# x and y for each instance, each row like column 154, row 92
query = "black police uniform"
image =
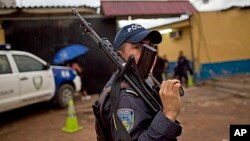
column 140, row 122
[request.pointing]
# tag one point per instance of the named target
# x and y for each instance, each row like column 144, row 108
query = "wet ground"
column 208, row 110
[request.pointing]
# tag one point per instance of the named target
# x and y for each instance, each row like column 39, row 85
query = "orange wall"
column 2, row 36
column 216, row 37
column 171, row 47
column 222, row 36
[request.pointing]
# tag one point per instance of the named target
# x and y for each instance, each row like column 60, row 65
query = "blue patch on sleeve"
column 127, row 118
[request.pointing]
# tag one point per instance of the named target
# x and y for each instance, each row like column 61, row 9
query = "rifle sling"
column 114, row 95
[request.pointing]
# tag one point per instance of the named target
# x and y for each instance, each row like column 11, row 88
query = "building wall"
column 2, row 36
column 172, row 46
column 222, row 36
column 221, row 42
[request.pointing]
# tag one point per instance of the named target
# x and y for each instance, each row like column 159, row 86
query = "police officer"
column 140, row 122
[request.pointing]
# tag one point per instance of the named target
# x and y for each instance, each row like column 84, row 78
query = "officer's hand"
column 170, row 98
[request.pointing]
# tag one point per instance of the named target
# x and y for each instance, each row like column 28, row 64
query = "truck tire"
column 65, row 93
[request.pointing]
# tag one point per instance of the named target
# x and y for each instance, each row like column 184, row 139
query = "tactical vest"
column 100, row 124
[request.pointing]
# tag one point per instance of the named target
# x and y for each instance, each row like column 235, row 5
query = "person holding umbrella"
column 67, row 56
column 80, row 71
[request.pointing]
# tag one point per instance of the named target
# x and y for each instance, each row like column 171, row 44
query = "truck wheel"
column 65, row 92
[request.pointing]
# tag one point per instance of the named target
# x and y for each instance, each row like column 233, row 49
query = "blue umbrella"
column 69, row 52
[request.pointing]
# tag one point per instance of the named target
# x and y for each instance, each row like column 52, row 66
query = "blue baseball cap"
column 135, row 33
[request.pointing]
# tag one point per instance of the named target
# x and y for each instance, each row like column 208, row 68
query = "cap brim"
column 153, row 35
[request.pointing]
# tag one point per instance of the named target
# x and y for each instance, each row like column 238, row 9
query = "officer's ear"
column 120, row 50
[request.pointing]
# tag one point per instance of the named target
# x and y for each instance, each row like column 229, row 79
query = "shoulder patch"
column 127, row 117
column 131, row 92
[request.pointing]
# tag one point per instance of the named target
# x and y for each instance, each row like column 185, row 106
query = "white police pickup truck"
column 26, row 79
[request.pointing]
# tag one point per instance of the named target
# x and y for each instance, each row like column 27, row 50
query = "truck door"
column 9, row 85
column 36, row 80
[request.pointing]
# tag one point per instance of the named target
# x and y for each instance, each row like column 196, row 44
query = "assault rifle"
column 132, row 73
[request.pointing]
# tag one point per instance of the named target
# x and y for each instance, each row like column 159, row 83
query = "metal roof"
column 49, row 3
column 137, row 7
column 7, row 3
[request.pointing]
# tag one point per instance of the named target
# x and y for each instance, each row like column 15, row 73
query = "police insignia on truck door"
column 38, row 82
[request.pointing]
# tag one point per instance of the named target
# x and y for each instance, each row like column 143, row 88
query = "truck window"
column 27, row 64
column 4, row 65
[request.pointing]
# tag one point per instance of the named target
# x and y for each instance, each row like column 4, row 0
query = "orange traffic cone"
column 71, row 122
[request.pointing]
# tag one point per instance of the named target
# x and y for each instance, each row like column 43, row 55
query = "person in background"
column 80, row 71
column 166, row 67
column 182, row 68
